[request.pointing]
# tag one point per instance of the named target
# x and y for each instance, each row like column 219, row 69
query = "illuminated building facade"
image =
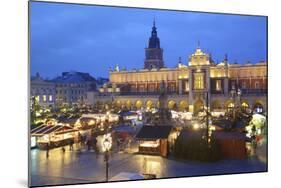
column 187, row 84
column 43, row 91
column 72, row 87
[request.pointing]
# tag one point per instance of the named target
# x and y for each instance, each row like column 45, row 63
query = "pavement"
column 89, row 167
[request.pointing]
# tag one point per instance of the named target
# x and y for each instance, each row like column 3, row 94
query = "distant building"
column 72, row 87
column 43, row 91
column 100, row 81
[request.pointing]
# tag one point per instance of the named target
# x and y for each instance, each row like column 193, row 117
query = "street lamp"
column 107, row 143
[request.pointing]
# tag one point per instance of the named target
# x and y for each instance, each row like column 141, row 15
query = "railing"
column 137, row 93
column 256, row 92
column 147, row 93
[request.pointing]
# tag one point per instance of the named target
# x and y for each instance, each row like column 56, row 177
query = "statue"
column 164, row 115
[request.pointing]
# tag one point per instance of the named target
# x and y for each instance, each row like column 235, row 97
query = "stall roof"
column 70, row 121
column 86, row 119
column 47, row 129
column 230, row 135
column 127, row 113
column 124, row 128
column 154, row 132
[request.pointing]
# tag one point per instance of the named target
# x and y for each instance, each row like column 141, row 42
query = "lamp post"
column 107, row 143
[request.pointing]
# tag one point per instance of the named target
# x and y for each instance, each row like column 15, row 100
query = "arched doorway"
column 138, row 104
column 183, row 105
column 244, row 104
column 258, row 107
column 229, row 104
column 149, row 104
column 118, row 103
column 172, row 105
column 128, row 104
column 198, row 106
column 216, row 105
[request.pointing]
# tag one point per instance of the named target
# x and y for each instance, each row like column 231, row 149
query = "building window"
column 141, row 88
column 186, row 86
column 198, row 80
column 37, row 98
column 133, row 88
column 218, row 85
column 172, row 88
column 151, row 88
column 244, row 85
column 50, row 98
column 257, row 85
column 233, row 85
column 44, row 98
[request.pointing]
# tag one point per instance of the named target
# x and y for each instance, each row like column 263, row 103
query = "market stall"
column 154, row 139
column 53, row 135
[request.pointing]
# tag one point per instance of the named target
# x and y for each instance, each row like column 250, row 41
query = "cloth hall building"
column 187, row 85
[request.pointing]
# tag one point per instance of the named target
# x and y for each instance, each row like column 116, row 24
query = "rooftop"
column 154, row 132
column 74, row 77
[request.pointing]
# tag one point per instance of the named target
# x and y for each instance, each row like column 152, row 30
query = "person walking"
column 63, row 150
column 47, row 150
column 95, row 146
column 88, row 142
column 71, row 145
column 94, row 143
column 79, row 141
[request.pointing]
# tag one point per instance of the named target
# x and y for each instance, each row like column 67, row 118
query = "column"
column 190, row 93
column 225, row 86
column 180, row 87
column 208, row 81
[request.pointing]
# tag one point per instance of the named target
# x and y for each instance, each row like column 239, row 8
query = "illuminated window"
column 50, row 98
column 218, row 85
column 186, row 86
column 37, row 98
column 44, row 98
column 198, row 80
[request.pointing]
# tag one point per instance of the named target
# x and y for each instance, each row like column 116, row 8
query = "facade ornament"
column 117, row 68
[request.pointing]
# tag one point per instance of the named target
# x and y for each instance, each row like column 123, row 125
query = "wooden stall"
column 154, row 139
column 232, row 144
column 53, row 135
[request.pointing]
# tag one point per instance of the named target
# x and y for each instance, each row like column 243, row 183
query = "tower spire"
column 154, row 53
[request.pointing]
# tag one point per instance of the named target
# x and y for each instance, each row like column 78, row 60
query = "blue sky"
column 66, row 37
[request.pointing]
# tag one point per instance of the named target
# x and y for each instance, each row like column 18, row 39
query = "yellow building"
column 188, row 83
